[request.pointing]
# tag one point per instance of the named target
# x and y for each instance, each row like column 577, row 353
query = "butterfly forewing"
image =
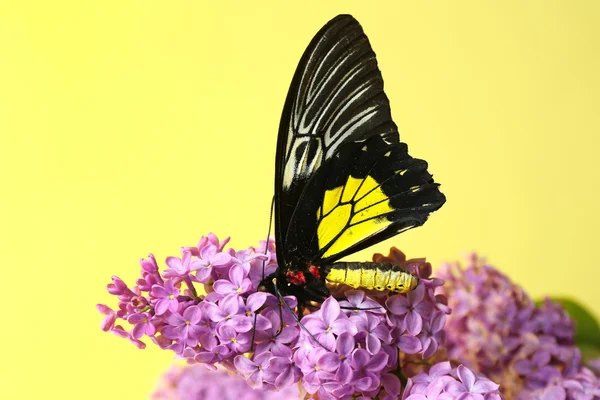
column 343, row 179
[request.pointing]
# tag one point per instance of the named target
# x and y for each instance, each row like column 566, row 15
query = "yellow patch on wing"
column 352, row 212
column 331, row 200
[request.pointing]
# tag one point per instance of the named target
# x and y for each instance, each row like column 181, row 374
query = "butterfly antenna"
column 263, row 271
column 286, row 305
column 268, row 235
column 253, row 333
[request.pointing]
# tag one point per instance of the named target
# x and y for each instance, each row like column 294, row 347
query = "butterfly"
column 343, row 179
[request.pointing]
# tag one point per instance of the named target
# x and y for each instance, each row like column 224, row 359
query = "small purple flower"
column 272, row 304
column 275, row 338
column 359, row 302
column 307, row 362
column 327, row 321
column 236, row 341
column 433, row 335
column 368, row 368
column 226, row 310
column 238, row 283
column 165, row 298
column 374, row 330
column 284, row 368
column 253, row 370
column 409, row 310
column 339, row 362
column 185, row 327
column 143, row 325
column 109, row 321
column 178, row 266
column 210, row 351
column 538, row 368
column 209, row 258
column 475, row 386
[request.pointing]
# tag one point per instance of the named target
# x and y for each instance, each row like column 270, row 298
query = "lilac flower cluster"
column 442, row 382
column 194, row 382
column 496, row 329
column 205, row 308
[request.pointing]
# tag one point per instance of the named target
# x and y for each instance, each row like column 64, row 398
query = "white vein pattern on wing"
column 340, row 64
column 305, row 126
column 312, row 90
column 333, row 99
column 297, row 166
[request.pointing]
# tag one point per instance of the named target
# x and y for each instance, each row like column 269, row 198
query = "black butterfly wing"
column 337, row 138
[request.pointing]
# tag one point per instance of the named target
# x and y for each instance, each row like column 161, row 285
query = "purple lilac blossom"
column 206, row 309
column 194, row 382
column 496, row 329
column 442, row 382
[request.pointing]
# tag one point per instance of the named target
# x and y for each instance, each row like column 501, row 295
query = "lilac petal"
column 397, row 304
column 330, row 310
column 213, row 312
column 262, row 324
column 554, row 393
column 313, row 324
column 159, row 291
column 373, row 344
column 203, row 274
column 414, row 323
column 224, row 287
column 329, row 361
column 409, row 344
column 343, row 325
column 363, row 384
column 344, row 373
column 417, row 396
column 466, row 376
column 287, row 335
column 391, row 383
column 360, row 358
column 137, row 331
column 240, row 323
column 345, row 343
column 245, row 286
column 236, row 275
column 256, row 300
column 484, row 386
column 192, row 314
column 230, row 304
column 285, row 379
column 176, row 265
column 220, row 259
column 225, row 333
column 255, row 380
column 435, row 388
column 135, row 318
column 440, row 369
column 377, row 362
column 416, row 296
column 541, row 358
column 355, row 297
column 244, row 365
column 438, row 321
column 175, row 319
column 208, row 252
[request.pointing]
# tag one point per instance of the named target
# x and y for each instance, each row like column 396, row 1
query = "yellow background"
column 136, row 127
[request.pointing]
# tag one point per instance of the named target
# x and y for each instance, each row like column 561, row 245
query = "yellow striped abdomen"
column 370, row 275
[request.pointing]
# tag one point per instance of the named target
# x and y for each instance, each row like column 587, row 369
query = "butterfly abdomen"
column 371, row 275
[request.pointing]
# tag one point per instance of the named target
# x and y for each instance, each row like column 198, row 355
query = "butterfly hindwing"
column 368, row 192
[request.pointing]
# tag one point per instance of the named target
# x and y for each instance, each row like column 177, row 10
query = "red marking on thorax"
column 297, row 278
column 315, row 271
